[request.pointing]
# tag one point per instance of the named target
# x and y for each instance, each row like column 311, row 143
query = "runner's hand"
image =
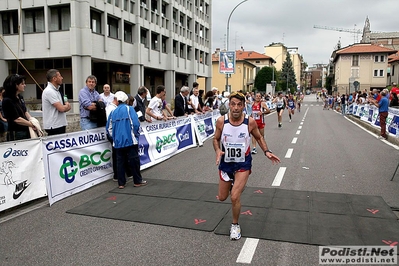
column 219, row 154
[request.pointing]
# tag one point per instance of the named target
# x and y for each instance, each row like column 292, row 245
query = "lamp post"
column 273, row 81
column 227, row 39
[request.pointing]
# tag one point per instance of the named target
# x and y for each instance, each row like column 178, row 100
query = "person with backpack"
column 224, row 103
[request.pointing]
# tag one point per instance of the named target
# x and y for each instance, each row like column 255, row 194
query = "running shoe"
column 235, row 232
column 290, row 120
column 254, row 151
column 279, row 125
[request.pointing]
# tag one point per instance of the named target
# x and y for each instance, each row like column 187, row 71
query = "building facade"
column 125, row 43
column 365, row 64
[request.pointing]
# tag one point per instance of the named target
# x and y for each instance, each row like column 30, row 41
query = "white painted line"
column 301, row 123
column 371, row 133
column 294, row 140
column 300, row 127
column 24, row 211
column 298, row 132
column 247, row 251
column 289, row 153
column 279, row 177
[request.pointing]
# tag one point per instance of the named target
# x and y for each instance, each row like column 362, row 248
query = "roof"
column 363, row 48
column 393, row 58
column 245, row 55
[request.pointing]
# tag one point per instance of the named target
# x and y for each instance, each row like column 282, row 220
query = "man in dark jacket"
column 181, row 102
column 140, row 108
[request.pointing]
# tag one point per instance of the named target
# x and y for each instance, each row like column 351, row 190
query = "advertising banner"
column 204, row 126
column 21, row 173
column 159, row 141
column 227, row 62
column 76, row 161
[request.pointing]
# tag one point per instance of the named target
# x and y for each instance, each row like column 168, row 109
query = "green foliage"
column 328, row 85
column 288, row 74
column 263, row 77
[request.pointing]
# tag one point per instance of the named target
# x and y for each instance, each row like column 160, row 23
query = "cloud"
column 258, row 23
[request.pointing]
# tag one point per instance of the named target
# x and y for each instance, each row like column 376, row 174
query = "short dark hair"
column 160, row 89
column 91, row 77
column 195, row 84
column 141, row 90
column 51, row 74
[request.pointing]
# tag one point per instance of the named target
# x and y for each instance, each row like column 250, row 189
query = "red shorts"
column 260, row 125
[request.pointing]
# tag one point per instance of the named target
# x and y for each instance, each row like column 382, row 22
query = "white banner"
column 21, row 173
column 76, row 161
column 204, row 126
column 161, row 140
column 369, row 113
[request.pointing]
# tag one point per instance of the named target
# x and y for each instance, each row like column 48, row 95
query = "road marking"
column 298, row 132
column 294, row 140
column 24, row 211
column 248, row 251
column 289, row 153
column 300, row 127
column 301, row 123
column 279, row 177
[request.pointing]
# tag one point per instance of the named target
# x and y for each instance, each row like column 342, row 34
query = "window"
column 182, row 47
column 10, row 22
column 164, row 7
column 154, row 41
column 164, row 44
column 128, row 34
column 379, row 58
column 95, row 22
column 378, row 72
column 113, row 28
column 117, row 3
column 154, row 6
column 34, row 20
column 189, row 50
column 143, row 39
column 132, row 7
column 355, row 60
column 60, row 18
column 126, row 5
column 355, row 72
column 175, row 47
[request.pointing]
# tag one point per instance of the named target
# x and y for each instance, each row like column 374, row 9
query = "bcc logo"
column 69, row 167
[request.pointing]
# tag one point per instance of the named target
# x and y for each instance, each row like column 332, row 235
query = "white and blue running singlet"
column 291, row 103
column 236, row 142
column 280, row 102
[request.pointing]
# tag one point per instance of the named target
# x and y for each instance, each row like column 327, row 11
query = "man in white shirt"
column 54, row 108
column 154, row 109
column 194, row 107
column 107, row 96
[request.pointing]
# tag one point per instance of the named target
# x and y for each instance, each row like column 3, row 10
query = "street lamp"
column 227, row 41
column 273, row 81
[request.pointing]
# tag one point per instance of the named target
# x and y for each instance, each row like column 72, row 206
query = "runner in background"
column 290, row 106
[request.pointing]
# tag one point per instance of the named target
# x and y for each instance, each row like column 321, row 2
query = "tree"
column 288, row 74
column 263, row 77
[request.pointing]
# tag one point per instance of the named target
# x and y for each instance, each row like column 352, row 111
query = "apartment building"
column 125, row 43
column 365, row 63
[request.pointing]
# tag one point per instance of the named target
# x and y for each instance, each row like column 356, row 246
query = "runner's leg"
column 240, row 181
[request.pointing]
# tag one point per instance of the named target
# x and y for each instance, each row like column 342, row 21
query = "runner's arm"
column 217, row 137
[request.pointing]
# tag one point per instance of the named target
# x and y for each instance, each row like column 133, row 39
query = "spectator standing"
column 394, row 89
column 15, row 109
column 201, row 98
column 181, row 102
column 123, row 128
column 53, row 105
column 107, row 96
column 394, row 102
column 194, row 107
column 382, row 105
column 209, row 99
column 154, row 109
column 3, row 120
column 343, row 104
column 140, row 99
column 87, row 98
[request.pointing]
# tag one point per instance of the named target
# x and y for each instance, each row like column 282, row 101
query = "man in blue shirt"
column 382, row 105
column 87, row 98
column 123, row 128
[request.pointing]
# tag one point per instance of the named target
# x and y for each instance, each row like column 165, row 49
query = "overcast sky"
column 258, row 23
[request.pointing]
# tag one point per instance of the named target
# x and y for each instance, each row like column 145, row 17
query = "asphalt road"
column 331, row 154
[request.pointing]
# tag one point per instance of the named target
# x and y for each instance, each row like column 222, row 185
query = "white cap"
column 121, row 96
column 226, row 94
column 214, row 89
